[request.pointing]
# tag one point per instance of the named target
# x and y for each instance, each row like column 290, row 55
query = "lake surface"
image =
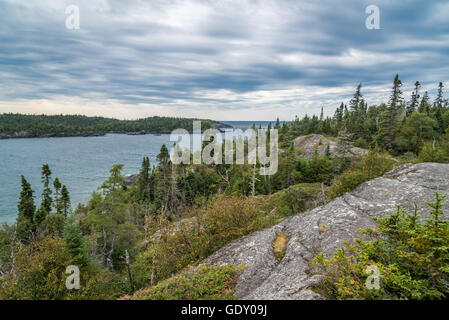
column 81, row 163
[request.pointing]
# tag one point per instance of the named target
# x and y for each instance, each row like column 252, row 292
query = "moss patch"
column 280, row 245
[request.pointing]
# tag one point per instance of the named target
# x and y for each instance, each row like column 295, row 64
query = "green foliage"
column 202, row 283
column 222, row 220
column 294, row 199
column 74, row 243
column 373, row 165
column 417, row 129
column 47, row 201
column 142, row 268
column 53, row 224
column 432, row 153
column 26, row 212
column 411, row 254
column 39, row 274
column 78, row 125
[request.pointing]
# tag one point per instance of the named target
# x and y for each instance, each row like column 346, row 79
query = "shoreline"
column 26, row 134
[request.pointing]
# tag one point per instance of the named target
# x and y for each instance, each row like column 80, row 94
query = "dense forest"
column 138, row 241
column 41, row 125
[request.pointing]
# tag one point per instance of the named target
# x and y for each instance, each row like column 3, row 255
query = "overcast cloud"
column 219, row 59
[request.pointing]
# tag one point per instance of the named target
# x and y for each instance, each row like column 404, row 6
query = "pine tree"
column 143, row 184
column 438, row 108
column 424, row 106
column 65, row 200
column 343, row 150
column 354, row 104
column 74, row 243
column 388, row 124
column 57, row 200
column 327, row 152
column 26, row 209
column 439, row 101
column 277, row 124
column 413, row 106
column 163, row 159
column 46, row 194
column 396, row 94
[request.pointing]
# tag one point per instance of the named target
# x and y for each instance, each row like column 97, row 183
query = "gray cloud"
column 210, row 58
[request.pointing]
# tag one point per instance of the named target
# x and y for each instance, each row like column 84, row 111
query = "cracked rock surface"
column 308, row 144
column 324, row 229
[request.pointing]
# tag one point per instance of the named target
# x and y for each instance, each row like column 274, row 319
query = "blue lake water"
column 82, row 164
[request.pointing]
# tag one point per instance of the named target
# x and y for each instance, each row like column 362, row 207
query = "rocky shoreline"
column 26, row 134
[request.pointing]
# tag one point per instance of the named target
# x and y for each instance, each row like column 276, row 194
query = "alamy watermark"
column 372, row 21
column 373, row 280
column 72, row 22
column 73, row 280
column 262, row 147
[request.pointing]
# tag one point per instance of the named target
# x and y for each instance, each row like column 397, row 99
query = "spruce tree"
column 143, row 184
column 424, row 106
column 26, row 209
column 439, row 101
column 65, row 200
column 57, row 200
column 74, row 243
column 388, row 124
column 354, row 104
column 46, row 194
column 396, row 94
column 413, row 106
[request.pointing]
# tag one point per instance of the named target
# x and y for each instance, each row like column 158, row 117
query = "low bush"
column 410, row 256
column 202, row 283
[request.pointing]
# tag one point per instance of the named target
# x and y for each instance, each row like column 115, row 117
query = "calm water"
column 82, row 164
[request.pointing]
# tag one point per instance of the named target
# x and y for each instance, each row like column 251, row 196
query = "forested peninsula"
column 15, row 125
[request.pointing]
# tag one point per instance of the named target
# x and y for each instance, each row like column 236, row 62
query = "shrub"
column 39, row 273
column 53, row 224
column 361, row 143
column 373, row 165
column 202, row 283
column 432, row 153
column 411, row 255
column 222, row 220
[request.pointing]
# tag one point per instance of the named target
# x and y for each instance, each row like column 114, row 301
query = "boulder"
column 132, row 179
column 308, row 143
column 324, row 229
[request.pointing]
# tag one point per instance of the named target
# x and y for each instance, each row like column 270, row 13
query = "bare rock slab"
column 324, row 229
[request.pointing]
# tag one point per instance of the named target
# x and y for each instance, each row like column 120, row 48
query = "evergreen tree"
column 278, row 125
column 439, row 101
column 388, row 124
column 424, row 106
column 354, row 104
column 413, row 106
column 74, row 243
column 143, row 184
column 396, row 94
column 57, row 200
column 26, row 208
column 163, row 159
column 65, row 200
column 46, row 194
column 343, row 151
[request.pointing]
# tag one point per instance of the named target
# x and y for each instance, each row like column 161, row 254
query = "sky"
column 216, row 59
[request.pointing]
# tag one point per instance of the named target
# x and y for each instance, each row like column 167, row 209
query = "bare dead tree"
column 130, row 276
